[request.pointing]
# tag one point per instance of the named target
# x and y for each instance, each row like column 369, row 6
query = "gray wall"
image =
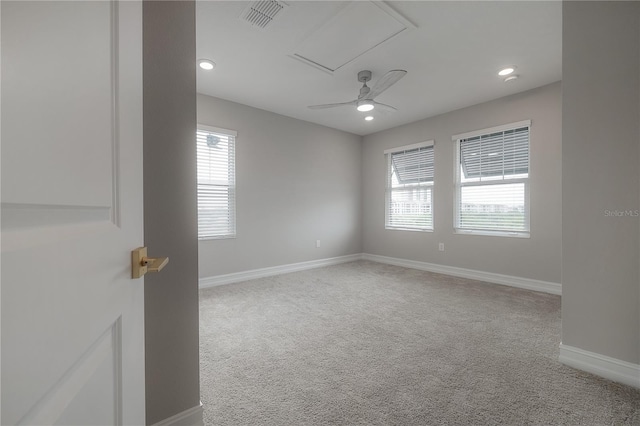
column 537, row 257
column 171, row 297
column 297, row 182
column 600, row 164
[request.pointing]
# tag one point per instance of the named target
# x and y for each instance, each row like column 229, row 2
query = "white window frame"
column 232, row 186
column 458, row 184
column 389, row 189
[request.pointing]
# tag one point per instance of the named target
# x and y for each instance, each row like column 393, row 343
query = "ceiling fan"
column 365, row 101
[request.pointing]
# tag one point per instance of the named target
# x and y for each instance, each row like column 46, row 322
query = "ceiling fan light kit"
column 365, row 106
column 365, row 101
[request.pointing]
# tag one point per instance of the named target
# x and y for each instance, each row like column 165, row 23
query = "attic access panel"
column 353, row 31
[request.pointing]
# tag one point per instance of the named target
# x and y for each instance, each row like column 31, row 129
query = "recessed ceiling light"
column 369, row 117
column 365, row 106
column 506, row 71
column 510, row 78
column 206, row 64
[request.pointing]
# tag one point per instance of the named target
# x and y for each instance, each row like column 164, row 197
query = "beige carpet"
column 370, row 344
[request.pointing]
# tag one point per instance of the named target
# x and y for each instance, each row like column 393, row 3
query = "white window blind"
column 409, row 195
column 493, row 181
column 216, row 183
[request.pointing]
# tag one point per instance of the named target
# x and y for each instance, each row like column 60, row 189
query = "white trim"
column 217, row 130
column 274, row 270
column 190, row 417
column 494, row 182
column 601, row 365
column 400, row 228
column 511, row 126
column 409, row 147
column 488, row 233
column 509, row 280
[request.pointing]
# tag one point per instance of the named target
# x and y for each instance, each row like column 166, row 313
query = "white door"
column 72, row 317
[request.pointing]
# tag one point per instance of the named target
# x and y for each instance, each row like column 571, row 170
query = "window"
column 216, row 182
column 409, row 195
column 492, row 181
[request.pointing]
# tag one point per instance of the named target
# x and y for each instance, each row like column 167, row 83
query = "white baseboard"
column 190, row 417
column 601, row 365
column 274, row 270
column 526, row 283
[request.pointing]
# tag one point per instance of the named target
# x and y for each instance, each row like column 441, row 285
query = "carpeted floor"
column 364, row 343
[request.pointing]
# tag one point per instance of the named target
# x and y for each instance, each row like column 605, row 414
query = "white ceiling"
column 452, row 57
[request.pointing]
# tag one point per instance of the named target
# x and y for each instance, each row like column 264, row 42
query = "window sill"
column 221, row 237
column 390, row 228
column 510, row 234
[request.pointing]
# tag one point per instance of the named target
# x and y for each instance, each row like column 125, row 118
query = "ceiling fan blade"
column 386, row 81
column 332, row 105
column 384, row 107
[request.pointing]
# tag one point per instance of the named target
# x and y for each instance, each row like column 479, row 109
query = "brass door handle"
column 155, row 264
column 141, row 263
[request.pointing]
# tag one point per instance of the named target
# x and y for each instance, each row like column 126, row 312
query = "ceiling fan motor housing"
column 364, row 76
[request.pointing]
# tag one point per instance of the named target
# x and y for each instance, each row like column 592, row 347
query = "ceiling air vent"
column 262, row 12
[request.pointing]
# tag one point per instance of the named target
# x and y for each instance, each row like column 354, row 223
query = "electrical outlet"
column 440, row 246
column 317, row 243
